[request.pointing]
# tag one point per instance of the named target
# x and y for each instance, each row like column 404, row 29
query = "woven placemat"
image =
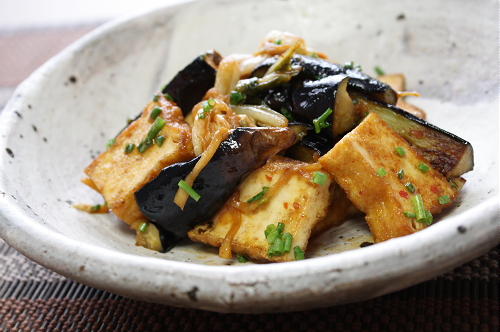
column 35, row 299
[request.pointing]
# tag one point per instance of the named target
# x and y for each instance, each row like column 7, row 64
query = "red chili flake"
column 296, row 205
column 436, row 189
column 403, row 194
column 269, row 177
column 417, row 133
column 285, row 205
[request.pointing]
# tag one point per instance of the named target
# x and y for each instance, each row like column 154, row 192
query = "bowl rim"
column 229, row 288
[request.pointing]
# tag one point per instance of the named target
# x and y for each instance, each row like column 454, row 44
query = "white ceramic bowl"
column 63, row 114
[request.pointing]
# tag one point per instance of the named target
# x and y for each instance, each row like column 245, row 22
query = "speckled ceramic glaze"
column 61, row 117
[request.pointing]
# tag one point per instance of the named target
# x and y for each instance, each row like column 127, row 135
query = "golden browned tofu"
column 340, row 210
column 292, row 198
column 365, row 164
column 118, row 175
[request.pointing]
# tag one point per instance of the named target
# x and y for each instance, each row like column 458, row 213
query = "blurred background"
column 32, row 31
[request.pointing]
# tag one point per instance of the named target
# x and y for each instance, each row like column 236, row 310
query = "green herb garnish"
column 143, row 227
column 237, row 98
column 421, row 214
column 154, row 113
column 278, row 42
column 321, row 121
column 352, row 65
column 320, row 178
column 381, row 172
column 287, row 240
column 424, row 168
column 445, row 199
column 129, row 148
column 259, row 195
column 155, row 129
column 241, row 258
column 95, row 208
column 410, row 187
column 270, row 228
column 287, row 114
column 189, row 190
column 401, row 174
column 410, row 214
column 298, row 253
column 156, row 98
column 400, row 151
column 277, row 247
column 110, row 143
column 207, row 107
column 169, row 97
column 143, row 146
column 160, row 140
column 379, row 71
column 280, row 228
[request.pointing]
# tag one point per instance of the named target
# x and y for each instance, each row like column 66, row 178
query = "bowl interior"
column 64, row 118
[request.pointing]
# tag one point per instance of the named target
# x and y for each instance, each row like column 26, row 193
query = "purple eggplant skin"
column 310, row 99
column 191, row 84
column 317, row 68
column 245, row 150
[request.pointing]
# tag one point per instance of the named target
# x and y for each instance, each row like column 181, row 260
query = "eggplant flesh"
column 245, row 150
column 191, row 84
column 447, row 153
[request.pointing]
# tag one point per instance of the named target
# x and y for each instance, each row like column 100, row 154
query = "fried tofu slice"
column 398, row 83
column 293, row 199
column 340, row 210
column 118, row 175
column 365, row 164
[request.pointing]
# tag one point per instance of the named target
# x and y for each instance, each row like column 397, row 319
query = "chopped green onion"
column 314, row 55
column 110, row 143
column 379, row 71
column 241, row 258
column 287, row 114
column 143, row 227
column 428, row 218
column 129, row 148
column 277, row 247
column 270, row 228
column 400, row 151
column 445, row 199
column 410, row 214
column 189, row 190
column 320, row 178
column 156, row 98
column 418, row 204
column 381, row 172
column 207, row 107
column 259, row 195
column 160, row 140
column 155, row 129
column 280, row 228
column 154, row 113
column 410, row 187
column 424, row 168
column 237, row 98
column 401, row 174
column 95, row 208
column 352, row 65
column 278, row 42
column 298, row 253
column 169, row 97
column 321, row 121
column 144, row 145
column 287, row 239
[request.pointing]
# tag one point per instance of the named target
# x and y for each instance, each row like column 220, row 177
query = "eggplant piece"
column 245, row 150
column 449, row 154
column 310, row 148
column 189, row 86
column 262, row 68
column 317, row 68
column 312, row 98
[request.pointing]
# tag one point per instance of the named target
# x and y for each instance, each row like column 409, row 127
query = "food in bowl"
column 257, row 153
